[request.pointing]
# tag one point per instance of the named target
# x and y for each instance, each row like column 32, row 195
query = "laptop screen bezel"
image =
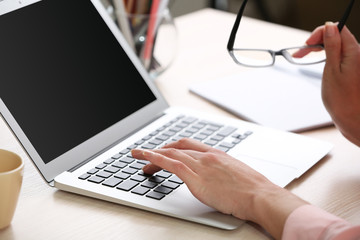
column 103, row 140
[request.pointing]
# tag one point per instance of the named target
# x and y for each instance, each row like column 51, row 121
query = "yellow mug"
column 11, row 175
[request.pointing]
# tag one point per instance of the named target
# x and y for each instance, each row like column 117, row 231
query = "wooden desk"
column 46, row 213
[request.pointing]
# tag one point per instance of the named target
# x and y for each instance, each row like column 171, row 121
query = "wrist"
column 272, row 206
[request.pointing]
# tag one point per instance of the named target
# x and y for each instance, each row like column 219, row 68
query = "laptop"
column 78, row 99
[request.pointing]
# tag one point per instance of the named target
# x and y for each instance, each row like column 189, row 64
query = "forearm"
column 271, row 208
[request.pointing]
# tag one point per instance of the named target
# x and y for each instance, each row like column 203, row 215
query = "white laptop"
column 78, row 99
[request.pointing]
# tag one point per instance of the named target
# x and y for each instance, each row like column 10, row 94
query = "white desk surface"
column 333, row 184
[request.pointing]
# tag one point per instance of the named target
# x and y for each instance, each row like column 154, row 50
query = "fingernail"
column 329, row 29
column 136, row 151
column 147, row 153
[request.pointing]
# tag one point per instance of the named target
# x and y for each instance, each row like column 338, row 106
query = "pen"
column 150, row 33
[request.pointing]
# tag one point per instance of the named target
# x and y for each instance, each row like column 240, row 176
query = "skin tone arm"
column 211, row 174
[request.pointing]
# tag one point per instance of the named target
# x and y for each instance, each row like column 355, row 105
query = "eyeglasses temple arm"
column 231, row 41
column 342, row 22
column 345, row 16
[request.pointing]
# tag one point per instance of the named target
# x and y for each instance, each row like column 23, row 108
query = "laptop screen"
column 64, row 77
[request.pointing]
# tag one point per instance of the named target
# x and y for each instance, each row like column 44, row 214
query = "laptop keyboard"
column 123, row 172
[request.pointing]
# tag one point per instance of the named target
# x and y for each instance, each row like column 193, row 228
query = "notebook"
column 78, row 99
column 285, row 96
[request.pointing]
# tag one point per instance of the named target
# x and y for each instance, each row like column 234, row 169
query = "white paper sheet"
column 284, row 96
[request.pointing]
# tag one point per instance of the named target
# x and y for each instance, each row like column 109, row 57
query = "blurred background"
column 302, row 14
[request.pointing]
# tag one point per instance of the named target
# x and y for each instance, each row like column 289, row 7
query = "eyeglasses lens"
column 255, row 58
column 305, row 55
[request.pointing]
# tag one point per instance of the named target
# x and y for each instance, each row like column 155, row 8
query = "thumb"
column 332, row 44
column 350, row 47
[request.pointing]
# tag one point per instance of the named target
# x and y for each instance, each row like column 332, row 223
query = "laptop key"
column 236, row 141
column 149, row 184
column 132, row 146
column 124, row 151
column 170, row 185
column 139, row 142
column 162, row 189
column 156, row 195
column 156, row 141
column 227, row 145
column 175, row 179
column 211, row 142
column 148, row 146
column 207, row 132
column 192, row 130
column 138, row 178
column 154, row 133
column 112, row 169
column 119, row 164
column 162, row 137
column 161, row 129
column 109, row 161
column 116, row 156
column 248, row 133
column 156, row 179
column 175, row 129
column 169, row 133
column 112, row 182
column 181, row 125
column 217, row 137
column 176, row 138
column 130, row 170
column 122, row 175
column 163, row 174
column 127, row 160
column 101, row 166
column 189, row 120
column 140, row 190
column 212, row 128
column 200, row 136
column 146, row 137
column 84, row 176
column 137, row 165
column 127, row 185
column 144, row 162
column 95, row 179
column 93, row 171
column 226, row 131
column 185, row 134
column 104, row 174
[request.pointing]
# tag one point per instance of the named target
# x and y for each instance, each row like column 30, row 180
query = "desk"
column 46, row 213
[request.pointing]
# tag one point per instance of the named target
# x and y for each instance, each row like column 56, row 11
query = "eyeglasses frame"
column 231, row 41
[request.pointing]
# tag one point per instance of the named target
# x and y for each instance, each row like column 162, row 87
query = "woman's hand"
column 341, row 78
column 223, row 182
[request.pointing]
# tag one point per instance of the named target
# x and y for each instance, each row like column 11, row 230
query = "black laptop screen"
column 63, row 75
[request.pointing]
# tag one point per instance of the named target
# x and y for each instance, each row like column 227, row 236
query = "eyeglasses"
column 265, row 57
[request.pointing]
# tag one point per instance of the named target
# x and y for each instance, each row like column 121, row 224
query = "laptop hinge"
column 115, row 143
column 52, row 183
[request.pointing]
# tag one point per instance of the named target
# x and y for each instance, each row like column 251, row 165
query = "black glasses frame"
column 231, row 41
